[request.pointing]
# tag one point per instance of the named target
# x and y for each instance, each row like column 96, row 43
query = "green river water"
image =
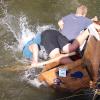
column 38, row 13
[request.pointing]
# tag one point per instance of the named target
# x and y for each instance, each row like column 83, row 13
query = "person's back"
column 73, row 24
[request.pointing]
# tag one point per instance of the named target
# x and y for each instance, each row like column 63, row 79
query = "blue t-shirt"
column 37, row 38
column 73, row 25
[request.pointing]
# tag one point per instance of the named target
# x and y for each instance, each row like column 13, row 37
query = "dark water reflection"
column 11, row 88
column 50, row 11
column 39, row 12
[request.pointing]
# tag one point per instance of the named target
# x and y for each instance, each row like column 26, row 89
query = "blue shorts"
column 26, row 52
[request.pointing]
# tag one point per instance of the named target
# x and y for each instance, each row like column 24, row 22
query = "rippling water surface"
column 37, row 15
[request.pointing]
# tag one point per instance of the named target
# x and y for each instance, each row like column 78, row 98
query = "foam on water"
column 30, row 76
column 45, row 27
column 16, row 25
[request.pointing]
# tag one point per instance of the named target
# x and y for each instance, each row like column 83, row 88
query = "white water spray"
column 16, row 26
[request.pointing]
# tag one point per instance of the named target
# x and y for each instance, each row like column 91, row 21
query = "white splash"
column 25, row 33
column 30, row 76
column 12, row 24
column 16, row 25
column 37, row 83
column 44, row 27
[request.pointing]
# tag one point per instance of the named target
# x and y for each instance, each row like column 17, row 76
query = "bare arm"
column 95, row 18
column 82, row 37
column 34, row 49
column 61, row 24
column 53, row 60
column 76, row 43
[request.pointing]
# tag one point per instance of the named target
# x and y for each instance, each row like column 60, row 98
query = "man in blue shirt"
column 72, row 24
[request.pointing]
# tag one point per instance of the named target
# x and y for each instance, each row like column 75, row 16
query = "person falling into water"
column 53, row 45
column 71, row 26
column 30, row 44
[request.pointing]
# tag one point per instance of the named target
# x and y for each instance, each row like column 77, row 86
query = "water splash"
column 44, row 27
column 15, row 25
column 30, row 76
column 25, row 33
column 10, row 22
column 11, row 25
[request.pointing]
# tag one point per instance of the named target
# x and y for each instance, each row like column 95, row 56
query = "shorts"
column 52, row 39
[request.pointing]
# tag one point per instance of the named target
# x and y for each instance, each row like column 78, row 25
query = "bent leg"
column 65, row 60
column 77, row 42
column 62, row 40
column 71, row 47
column 54, row 53
column 34, row 49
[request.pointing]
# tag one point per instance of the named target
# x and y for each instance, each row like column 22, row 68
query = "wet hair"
column 82, row 9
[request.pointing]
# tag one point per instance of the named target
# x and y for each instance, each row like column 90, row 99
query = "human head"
column 81, row 10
